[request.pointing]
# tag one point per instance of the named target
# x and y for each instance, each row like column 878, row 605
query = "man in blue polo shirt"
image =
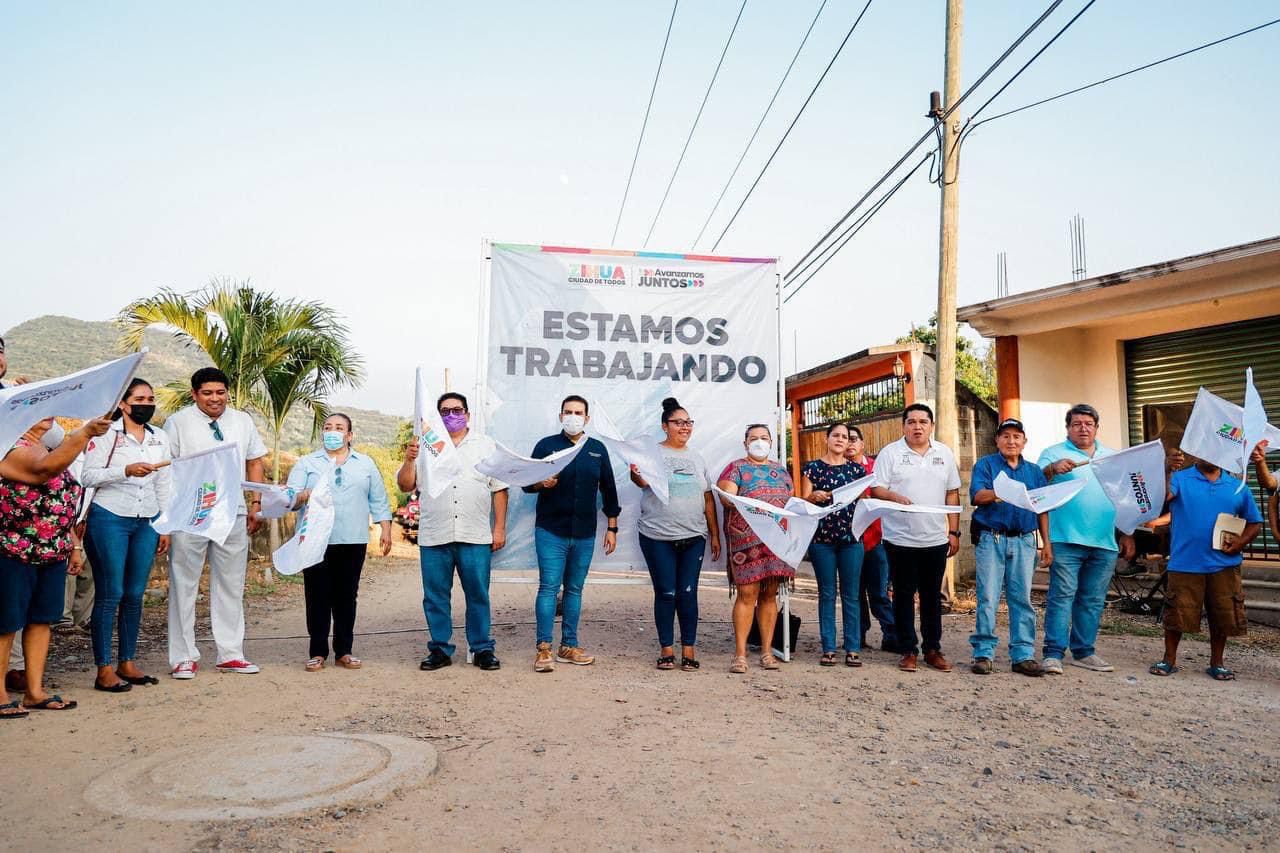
column 1201, row 577
column 564, row 534
column 1006, row 553
column 1084, row 547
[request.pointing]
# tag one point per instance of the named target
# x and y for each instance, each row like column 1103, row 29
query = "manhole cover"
column 263, row 776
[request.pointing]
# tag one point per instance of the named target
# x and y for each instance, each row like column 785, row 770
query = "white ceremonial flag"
column 439, row 463
column 641, row 452
column 869, row 509
column 1254, row 424
column 315, row 524
column 1215, row 432
column 90, row 393
column 203, row 496
column 850, row 492
column 1133, row 479
column 1039, row 500
column 518, row 471
column 783, row 530
column 277, row 501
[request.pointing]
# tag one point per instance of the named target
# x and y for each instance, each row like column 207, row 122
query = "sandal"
column 827, row 659
column 1220, row 673
column 1162, row 669
column 140, row 680
column 47, row 704
column 739, row 665
column 768, row 661
column 315, row 665
column 667, row 662
column 349, row 662
column 689, row 664
column 14, row 710
column 118, row 687
column 852, row 659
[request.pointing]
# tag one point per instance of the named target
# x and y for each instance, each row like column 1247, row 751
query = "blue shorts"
column 30, row 595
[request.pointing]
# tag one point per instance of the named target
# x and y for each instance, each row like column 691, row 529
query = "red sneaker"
column 185, row 670
column 241, row 666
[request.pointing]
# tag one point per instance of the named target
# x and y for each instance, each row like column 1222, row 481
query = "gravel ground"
column 622, row 756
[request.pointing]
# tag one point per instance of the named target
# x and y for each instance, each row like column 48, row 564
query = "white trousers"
column 227, row 563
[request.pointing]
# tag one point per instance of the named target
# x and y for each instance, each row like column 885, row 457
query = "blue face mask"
column 334, row 440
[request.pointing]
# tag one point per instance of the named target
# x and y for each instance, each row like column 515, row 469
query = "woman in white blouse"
column 127, row 471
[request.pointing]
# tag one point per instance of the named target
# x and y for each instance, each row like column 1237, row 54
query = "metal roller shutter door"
column 1171, row 368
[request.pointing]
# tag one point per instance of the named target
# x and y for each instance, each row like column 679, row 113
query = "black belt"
column 982, row 528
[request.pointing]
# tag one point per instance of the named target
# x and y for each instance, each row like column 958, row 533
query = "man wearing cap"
column 1084, row 547
column 1006, row 552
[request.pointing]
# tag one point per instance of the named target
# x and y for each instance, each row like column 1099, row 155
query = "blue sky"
column 359, row 154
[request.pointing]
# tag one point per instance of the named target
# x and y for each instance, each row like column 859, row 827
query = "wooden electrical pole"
column 946, row 424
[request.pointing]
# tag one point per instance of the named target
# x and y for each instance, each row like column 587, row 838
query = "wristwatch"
column 612, row 529
column 955, row 533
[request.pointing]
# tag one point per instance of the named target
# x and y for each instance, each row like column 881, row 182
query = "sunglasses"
column 337, row 476
column 455, row 410
column 217, row 431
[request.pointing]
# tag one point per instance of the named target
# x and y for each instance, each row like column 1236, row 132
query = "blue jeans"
column 1078, row 584
column 121, row 550
column 562, row 561
column 1008, row 562
column 674, row 567
column 472, row 563
column 873, row 599
column 842, row 562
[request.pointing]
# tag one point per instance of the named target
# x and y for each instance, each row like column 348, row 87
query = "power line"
column 759, row 124
column 925, row 136
column 856, row 226
column 645, row 123
column 1078, row 89
column 696, row 118
column 791, row 126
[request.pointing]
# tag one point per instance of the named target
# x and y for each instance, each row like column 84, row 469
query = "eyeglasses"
column 217, row 432
column 680, row 423
column 455, row 410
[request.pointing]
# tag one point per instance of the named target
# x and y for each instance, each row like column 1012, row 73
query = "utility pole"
column 945, row 429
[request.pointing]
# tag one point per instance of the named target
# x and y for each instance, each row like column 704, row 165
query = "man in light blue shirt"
column 1084, row 548
column 332, row 584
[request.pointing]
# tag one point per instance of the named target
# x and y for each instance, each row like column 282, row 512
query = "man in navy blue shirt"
column 564, row 534
column 1006, row 552
column 1201, row 577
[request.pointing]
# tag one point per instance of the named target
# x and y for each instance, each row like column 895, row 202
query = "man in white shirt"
column 917, row 469
column 455, row 533
column 204, row 426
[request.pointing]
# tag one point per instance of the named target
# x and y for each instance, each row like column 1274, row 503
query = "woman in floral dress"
column 38, row 503
column 753, row 568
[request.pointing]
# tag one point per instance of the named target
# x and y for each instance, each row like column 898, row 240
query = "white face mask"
column 759, row 448
column 53, row 436
column 573, row 424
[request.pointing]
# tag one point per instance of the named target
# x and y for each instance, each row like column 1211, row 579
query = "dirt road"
column 619, row 755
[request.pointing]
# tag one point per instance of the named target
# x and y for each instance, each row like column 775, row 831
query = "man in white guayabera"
column 203, row 426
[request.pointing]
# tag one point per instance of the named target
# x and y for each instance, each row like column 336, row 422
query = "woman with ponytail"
column 673, row 536
column 126, row 469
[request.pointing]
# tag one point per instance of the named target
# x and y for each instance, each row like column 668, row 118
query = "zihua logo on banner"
column 1233, row 434
column 206, row 497
column 674, row 279
column 597, row 275
column 1139, row 485
column 429, row 441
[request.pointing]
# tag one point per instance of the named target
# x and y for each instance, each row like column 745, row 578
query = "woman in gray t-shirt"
column 673, row 536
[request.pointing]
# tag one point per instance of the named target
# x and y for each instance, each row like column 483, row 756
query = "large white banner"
column 624, row 330
column 1133, row 479
column 90, row 393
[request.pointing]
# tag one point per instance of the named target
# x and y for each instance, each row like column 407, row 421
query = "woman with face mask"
column 127, row 469
column 673, row 536
column 332, row 584
column 753, row 568
column 38, row 548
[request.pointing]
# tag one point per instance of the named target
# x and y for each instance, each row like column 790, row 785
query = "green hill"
column 55, row 346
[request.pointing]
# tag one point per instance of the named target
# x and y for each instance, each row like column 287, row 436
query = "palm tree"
column 278, row 354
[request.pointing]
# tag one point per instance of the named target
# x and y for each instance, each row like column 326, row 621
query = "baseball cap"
column 1011, row 423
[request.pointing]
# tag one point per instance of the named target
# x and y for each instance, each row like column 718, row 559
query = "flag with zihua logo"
column 439, row 462
column 1133, row 480
column 315, row 525
column 1216, row 433
column 204, row 493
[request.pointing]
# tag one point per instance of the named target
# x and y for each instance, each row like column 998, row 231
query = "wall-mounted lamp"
column 900, row 370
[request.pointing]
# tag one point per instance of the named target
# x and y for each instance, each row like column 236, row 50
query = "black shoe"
column 436, row 660
column 487, row 661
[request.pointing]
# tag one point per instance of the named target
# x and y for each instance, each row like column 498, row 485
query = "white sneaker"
column 185, row 670
column 1094, row 663
column 1052, row 666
